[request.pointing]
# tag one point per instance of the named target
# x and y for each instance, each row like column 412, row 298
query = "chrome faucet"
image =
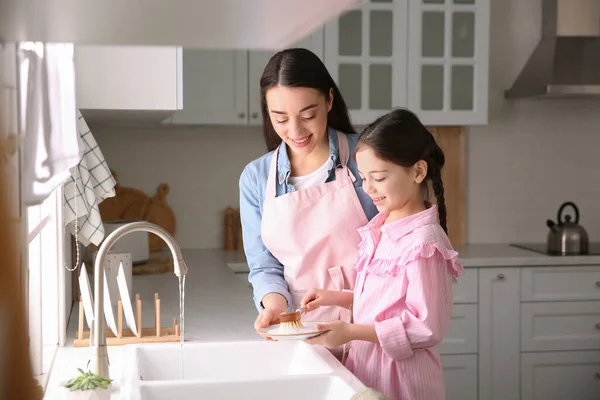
column 100, row 360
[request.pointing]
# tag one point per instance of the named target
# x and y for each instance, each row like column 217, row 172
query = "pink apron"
column 312, row 232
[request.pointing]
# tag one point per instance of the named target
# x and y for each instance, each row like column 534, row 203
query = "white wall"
column 201, row 165
column 533, row 155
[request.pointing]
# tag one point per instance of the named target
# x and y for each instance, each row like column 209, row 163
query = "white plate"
column 109, row 312
column 126, row 300
column 86, row 295
column 309, row 330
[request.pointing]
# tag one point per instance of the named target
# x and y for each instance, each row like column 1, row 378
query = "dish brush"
column 290, row 321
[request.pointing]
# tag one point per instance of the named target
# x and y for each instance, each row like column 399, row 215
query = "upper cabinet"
column 223, row 87
column 365, row 53
column 128, row 83
column 430, row 56
column 448, row 60
column 215, row 87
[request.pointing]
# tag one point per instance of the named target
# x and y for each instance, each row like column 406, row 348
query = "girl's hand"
column 336, row 334
column 316, row 298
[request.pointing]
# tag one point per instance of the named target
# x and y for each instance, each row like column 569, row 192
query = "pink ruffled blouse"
column 404, row 287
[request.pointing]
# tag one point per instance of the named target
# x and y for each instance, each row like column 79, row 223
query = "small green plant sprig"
column 87, row 381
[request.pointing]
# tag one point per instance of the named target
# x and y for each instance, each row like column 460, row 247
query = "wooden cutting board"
column 160, row 213
column 133, row 204
column 452, row 141
column 127, row 203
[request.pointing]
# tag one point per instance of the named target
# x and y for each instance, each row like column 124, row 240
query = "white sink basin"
column 234, row 370
column 291, row 388
column 209, row 361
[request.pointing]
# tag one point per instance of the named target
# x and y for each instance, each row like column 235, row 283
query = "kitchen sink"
column 290, row 388
column 234, row 370
column 207, row 361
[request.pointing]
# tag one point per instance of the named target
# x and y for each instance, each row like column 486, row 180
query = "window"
column 43, row 261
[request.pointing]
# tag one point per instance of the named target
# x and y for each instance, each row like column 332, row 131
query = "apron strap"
column 270, row 191
column 344, row 149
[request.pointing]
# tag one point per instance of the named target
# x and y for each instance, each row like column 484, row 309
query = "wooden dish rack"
column 157, row 334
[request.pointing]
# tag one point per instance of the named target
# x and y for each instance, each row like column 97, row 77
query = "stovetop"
column 594, row 248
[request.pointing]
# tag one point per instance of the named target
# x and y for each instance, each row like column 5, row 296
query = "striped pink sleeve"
column 424, row 320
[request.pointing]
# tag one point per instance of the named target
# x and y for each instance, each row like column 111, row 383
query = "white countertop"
column 504, row 255
column 470, row 256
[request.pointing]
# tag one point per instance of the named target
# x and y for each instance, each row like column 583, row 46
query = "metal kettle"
column 566, row 237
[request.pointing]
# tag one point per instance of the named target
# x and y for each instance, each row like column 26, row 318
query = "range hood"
column 208, row 24
column 566, row 62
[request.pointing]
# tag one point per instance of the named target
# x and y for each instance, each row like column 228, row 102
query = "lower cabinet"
column 572, row 375
column 460, row 376
column 524, row 333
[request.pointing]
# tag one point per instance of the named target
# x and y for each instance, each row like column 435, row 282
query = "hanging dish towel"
column 51, row 145
column 89, row 184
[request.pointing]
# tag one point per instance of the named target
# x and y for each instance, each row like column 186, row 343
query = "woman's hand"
column 335, row 334
column 316, row 298
column 274, row 304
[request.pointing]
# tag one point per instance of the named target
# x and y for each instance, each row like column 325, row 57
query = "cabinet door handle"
column 241, row 115
column 501, row 277
column 255, row 115
column 597, row 283
column 597, row 375
column 598, row 325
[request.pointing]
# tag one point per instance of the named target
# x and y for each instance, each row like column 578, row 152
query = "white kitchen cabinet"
column 128, row 81
column 499, row 333
column 365, row 53
column 448, row 60
column 566, row 283
column 215, row 87
column 461, row 337
column 464, row 290
column 460, row 376
column 223, row 87
column 257, row 60
column 557, row 326
column 560, row 375
column 428, row 55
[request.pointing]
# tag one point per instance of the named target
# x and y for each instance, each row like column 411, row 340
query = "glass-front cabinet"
column 365, row 52
column 448, row 60
column 428, row 55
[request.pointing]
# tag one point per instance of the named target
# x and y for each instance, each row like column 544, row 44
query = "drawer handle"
column 255, row 115
column 241, row 115
column 501, row 277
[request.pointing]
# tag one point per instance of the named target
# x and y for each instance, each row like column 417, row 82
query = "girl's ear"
column 420, row 169
column 330, row 100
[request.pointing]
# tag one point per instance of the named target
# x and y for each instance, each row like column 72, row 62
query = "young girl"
column 402, row 298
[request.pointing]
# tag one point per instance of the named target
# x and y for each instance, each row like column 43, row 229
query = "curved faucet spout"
column 179, row 268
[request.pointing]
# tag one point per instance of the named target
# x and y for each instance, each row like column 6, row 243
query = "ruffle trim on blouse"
column 397, row 265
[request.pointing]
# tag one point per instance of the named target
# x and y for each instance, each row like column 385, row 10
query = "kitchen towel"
column 89, row 184
column 51, row 145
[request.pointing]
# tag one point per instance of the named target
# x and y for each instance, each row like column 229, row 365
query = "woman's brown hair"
column 301, row 68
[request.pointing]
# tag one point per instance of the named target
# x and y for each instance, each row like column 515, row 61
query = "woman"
column 302, row 202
